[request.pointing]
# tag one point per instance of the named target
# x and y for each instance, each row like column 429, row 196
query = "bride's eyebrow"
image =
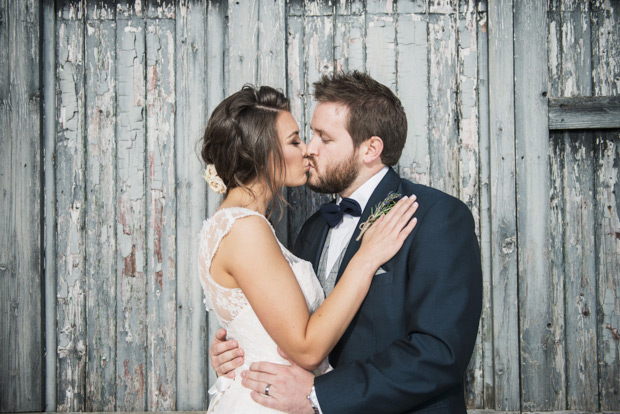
column 293, row 134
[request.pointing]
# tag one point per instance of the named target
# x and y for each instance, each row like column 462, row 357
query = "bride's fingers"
column 399, row 215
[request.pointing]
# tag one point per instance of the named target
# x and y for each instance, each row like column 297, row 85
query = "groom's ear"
column 371, row 150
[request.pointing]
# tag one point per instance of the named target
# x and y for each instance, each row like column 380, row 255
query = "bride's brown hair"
column 241, row 139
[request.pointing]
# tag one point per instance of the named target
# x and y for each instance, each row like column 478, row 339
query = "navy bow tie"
column 332, row 212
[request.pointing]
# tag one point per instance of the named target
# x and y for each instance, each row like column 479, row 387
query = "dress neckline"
column 238, row 208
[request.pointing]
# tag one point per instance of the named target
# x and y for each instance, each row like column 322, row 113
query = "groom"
column 407, row 348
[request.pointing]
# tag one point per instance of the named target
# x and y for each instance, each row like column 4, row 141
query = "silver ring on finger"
column 267, row 390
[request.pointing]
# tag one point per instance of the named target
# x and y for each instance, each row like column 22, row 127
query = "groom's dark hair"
column 374, row 110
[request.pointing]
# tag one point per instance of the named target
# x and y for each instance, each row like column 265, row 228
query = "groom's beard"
column 335, row 179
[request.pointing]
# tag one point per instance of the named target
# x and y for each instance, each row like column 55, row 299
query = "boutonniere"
column 377, row 211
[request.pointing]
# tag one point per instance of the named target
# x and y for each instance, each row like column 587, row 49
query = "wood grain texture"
column 101, row 188
column 216, row 86
column 413, row 91
column 70, row 208
column 161, row 215
column 131, row 363
column 606, row 71
column 271, row 52
column 485, row 396
column 584, row 112
column 442, row 126
column 48, row 138
column 243, row 44
column 572, row 199
column 195, row 46
column 503, row 216
column 469, row 158
column 541, row 299
column 127, row 90
column 21, row 323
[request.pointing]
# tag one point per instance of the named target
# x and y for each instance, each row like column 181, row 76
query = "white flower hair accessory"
column 214, row 180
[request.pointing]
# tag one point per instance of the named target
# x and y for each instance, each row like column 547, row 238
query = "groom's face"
column 334, row 164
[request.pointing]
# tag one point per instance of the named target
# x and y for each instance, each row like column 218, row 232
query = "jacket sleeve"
column 442, row 300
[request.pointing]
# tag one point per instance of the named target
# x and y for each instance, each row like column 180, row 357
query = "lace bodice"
column 227, row 302
column 236, row 315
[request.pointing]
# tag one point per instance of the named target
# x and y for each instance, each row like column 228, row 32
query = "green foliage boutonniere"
column 380, row 209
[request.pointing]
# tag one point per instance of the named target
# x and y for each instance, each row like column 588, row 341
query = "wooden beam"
column 584, row 112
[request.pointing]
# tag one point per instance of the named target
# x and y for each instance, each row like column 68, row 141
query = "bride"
column 263, row 295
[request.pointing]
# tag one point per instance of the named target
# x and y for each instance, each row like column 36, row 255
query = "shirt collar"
column 363, row 193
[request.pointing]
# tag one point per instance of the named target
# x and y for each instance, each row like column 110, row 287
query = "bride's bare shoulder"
column 252, row 234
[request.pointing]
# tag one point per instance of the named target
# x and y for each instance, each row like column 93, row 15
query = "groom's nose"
column 311, row 148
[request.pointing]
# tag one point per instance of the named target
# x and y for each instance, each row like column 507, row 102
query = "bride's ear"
column 371, row 149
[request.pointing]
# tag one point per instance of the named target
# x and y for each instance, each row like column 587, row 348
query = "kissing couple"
column 376, row 309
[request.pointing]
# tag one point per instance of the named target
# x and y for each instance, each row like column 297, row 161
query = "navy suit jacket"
column 408, row 346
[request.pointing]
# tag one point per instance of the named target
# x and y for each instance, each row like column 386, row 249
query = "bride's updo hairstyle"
column 241, row 139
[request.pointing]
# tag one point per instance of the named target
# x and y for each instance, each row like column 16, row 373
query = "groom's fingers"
column 262, row 399
column 266, row 367
column 258, row 381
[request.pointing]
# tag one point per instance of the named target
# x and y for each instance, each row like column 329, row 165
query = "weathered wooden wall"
column 102, row 105
column 21, row 264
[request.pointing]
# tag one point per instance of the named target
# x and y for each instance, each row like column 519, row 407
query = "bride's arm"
column 251, row 255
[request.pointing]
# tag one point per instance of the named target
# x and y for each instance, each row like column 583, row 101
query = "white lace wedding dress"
column 235, row 314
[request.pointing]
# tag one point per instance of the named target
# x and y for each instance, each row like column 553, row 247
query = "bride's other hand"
column 225, row 355
column 388, row 233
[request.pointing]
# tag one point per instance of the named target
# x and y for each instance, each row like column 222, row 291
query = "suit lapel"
column 391, row 182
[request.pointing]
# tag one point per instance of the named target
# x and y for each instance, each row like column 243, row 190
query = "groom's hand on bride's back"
column 225, row 355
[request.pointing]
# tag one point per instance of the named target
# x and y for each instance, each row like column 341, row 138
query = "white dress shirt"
column 342, row 232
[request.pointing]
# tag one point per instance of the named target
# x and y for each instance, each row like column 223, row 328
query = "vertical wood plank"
column 100, row 85
column 21, row 327
column 467, row 106
column 608, row 265
column 161, row 196
column 485, row 395
column 48, row 81
column 70, row 208
column 296, row 92
column 216, row 87
column 272, row 72
column 318, row 55
column 414, row 163
column 380, row 49
column 131, row 223
column 380, row 7
column 541, row 295
column 272, row 44
column 443, row 129
column 350, row 7
column 503, row 221
column 191, row 87
column 557, row 153
column 577, row 218
column 242, row 44
column 442, row 6
column 412, row 6
column 349, row 37
column 606, row 71
column 317, row 7
column 468, row 139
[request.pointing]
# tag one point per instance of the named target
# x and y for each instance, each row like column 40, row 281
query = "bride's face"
column 293, row 150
